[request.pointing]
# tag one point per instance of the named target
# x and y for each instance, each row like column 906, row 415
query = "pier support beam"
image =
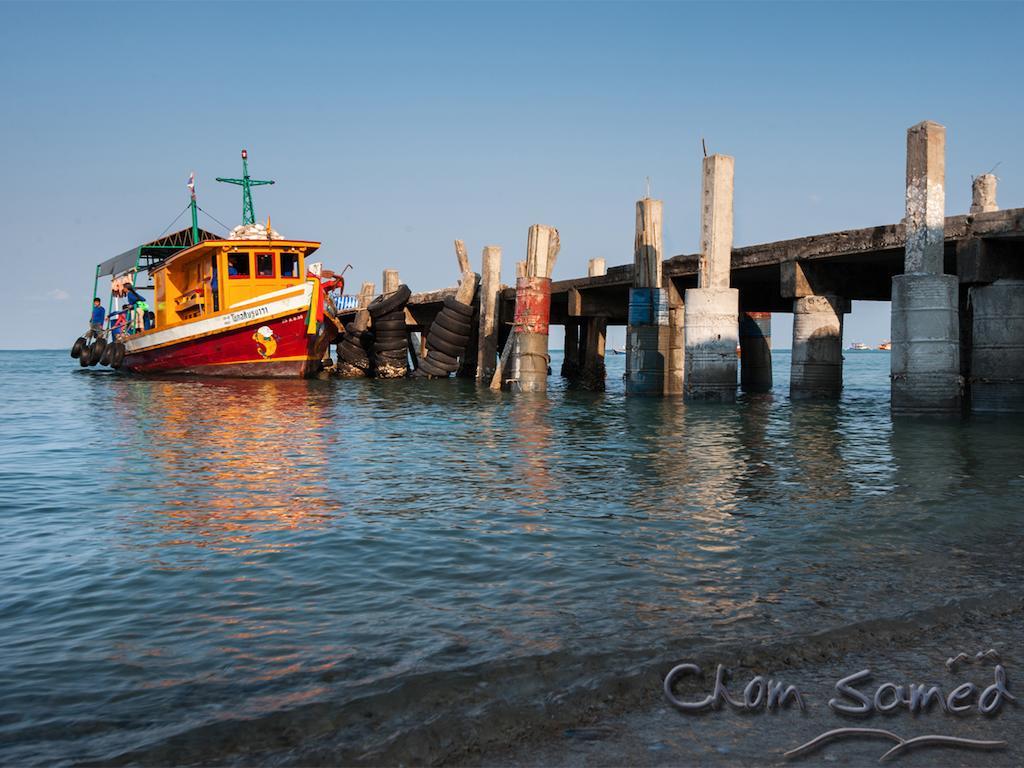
column 533, row 311
column 925, row 324
column 490, row 288
column 592, row 373
column 647, row 332
column 571, row 350
column 676, row 359
column 711, row 324
column 997, row 347
column 756, row 351
column 817, row 357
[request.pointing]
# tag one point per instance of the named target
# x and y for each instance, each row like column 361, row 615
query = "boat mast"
column 192, row 205
column 248, row 214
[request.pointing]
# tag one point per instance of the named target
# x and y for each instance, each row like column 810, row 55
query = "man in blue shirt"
column 96, row 321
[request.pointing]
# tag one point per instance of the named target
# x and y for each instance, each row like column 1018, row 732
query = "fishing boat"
column 859, row 346
column 248, row 304
column 885, row 346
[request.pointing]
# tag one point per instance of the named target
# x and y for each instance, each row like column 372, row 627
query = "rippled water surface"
column 180, row 554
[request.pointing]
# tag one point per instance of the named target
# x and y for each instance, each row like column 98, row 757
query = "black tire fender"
column 450, row 321
column 443, row 346
column 117, row 354
column 466, row 310
column 387, row 303
column 440, row 332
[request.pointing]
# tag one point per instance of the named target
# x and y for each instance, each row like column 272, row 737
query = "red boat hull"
column 246, row 350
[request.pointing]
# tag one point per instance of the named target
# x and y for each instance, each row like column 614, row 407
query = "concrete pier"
column 756, row 351
column 711, row 322
column 490, row 289
column 647, row 332
column 925, row 324
column 817, row 357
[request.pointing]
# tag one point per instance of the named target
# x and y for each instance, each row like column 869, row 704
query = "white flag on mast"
column 192, row 184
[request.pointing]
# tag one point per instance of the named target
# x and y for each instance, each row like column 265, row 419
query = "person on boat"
column 117, row 326
column 96, row 320
column 213, row 287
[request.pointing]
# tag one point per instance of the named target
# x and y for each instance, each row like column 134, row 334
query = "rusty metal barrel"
column 532, row 316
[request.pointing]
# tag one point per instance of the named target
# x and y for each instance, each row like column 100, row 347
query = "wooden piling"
column 571, row 350
column 462, row 256
column 676, row 359
column 592, row 374
column 390, row 281
column 490, row 288
column 362, row 320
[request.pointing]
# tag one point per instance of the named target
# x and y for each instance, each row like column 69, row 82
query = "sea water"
column 213, row 570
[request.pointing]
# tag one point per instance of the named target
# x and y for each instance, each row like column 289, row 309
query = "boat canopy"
column 149, row 255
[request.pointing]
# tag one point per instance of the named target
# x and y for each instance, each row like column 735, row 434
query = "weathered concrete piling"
column 647, row 332
column 925, row 325
column 755, row 351
column 533, row 311
column 711, row 324
column 817, row 355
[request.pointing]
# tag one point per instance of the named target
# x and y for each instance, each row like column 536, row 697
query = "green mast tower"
column 248, row 216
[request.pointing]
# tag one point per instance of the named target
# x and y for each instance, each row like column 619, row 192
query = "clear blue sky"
column 393, row 128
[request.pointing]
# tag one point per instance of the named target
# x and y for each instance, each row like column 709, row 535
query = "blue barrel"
column 648, row 306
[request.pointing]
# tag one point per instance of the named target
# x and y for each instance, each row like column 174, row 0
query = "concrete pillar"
column 817, row 357
column 756, row 351
column 997, row 351
column 592, row 374
column 490, row 288
column 711, row 322
column 983, row 193
column 925, row 324
column 647, row 332
column 926, row 198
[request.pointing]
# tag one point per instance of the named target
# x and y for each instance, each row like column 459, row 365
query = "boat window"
column 264, row 265
column 238, row 265
column 289, row 265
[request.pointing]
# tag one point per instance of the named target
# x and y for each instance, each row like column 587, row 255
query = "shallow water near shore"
column 204, row 570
